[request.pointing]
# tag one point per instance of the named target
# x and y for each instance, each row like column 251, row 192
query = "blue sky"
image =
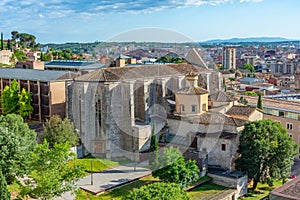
column 60, row 21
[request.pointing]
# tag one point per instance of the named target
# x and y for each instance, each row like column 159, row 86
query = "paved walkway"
column 109, row 179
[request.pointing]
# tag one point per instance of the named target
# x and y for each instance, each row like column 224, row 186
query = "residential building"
column 229, row 58
column 5, row 57
column 30, row 64
column 283, row 111
column 249, row 59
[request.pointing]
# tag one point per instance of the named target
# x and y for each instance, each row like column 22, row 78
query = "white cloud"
column 247, row 1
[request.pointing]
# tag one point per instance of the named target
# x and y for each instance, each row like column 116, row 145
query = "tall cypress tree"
column 2, row 45
column 8, row 44
column 153, row 148
column 259, row 101
column 4, row 194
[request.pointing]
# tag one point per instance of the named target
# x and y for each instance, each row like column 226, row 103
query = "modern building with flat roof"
column 79, row 66
column 74, row 65
column 229, row 58
column 47, row 88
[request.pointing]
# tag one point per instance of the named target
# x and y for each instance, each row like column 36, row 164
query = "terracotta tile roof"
column 222, row 96
column 285, row 105
column 290, row 190
column 241, row 110
column 68, row 75
column 192, row 91
column 210, row 118
column 142, row 71
column 223, row 135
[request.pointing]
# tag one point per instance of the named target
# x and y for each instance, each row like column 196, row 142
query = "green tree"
column 153, row 156
column 25, row 99
column 250, row 93
column 248, row 67
column 157, row 191
column 243, row 101
column 16, row 143
column 13, row 101
column 173, row 168
column 4, row 194
column 45, row 57
column 51, row 174
column 266, row 152
column 9, row 44
column 10, row 99
column 67, row 54
column 259, row 101
column 14, row 35
column 57, row 130
column 27, row 40
column 2, row 43
column 20, row 55
column 231, row 78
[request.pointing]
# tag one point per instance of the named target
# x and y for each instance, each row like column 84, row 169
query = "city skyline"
column 57, row 21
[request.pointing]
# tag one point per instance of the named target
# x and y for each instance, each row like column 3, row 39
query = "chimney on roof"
column 120, row 62
column 191, row 79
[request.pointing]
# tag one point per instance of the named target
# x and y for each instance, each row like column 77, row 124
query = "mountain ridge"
column 250, row 39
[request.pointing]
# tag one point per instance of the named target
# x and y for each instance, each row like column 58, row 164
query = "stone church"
column 114, row 109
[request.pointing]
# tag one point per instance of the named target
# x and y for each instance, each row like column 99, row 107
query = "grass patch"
column 14, row 189
column 5, row 65
column 118, row 193
column 97, row 164
column 261, row 191
column 201, row 179
column 206, row 191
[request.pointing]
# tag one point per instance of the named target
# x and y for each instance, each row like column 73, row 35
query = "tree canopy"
column 19, row 55
column 2, row 43
column 251, row 93
column 16, row 143
column 158, row 191
column 153, row 154
column 248, row 67
column 169, row 59
column 266, row 151
column 259, row 101
column 14, row 101
column 58, row 130
column 173, row 168
column 4, row 194
column 14, row 35
column 51, row 173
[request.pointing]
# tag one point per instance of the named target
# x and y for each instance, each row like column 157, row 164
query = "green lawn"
column 206, row 191
column 117, row 193
column 97, row 164
column 261, row 191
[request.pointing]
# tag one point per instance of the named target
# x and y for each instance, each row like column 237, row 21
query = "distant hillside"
column 252, row 39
